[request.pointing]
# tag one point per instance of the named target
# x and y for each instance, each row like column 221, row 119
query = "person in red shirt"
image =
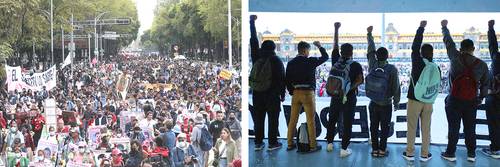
column 61, row 128
column 38, row 123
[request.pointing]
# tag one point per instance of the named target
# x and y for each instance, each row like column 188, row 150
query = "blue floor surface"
column 360, row 157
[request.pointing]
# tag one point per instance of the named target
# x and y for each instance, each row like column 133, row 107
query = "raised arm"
column 371, row 49
column 417, row 43
column 254, row 42
column 324, row 55
column 335, row 52
column 492, row 40
column 448, row 41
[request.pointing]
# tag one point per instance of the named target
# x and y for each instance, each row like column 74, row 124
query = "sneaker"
column 345, row 153
column 274, row 146
column 471, row 157
column 259, row 147
column 291, row 147
column 427, row 158
column 329, row 147
column 407, row 157
column 318, row 147
column 448, row 157
column 493, row 154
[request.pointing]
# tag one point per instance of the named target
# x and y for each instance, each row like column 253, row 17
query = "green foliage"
column 193, row 24
column 27, row 22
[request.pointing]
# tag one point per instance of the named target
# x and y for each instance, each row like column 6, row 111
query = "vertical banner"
column 122, row 85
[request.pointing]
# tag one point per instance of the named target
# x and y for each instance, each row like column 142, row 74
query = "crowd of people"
column 128, row 111
column 467, row 80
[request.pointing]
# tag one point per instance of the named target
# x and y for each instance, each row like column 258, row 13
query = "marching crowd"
column 468, row 81
column 130, row 111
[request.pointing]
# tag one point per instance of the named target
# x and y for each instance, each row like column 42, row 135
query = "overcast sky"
column 322, row 23
column 145, row 9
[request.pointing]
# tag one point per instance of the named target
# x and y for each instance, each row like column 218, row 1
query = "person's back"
column 493, row 98
column 382, row 87
column 468, row 75
column 301, row 84
column 265, row 102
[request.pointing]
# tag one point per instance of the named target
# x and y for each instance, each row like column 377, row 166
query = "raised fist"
column 337, row 24
column 369, row 29
column 253, row 17
column 444, row 23
column 317, row 44
column 491, row 23
column 423, row 23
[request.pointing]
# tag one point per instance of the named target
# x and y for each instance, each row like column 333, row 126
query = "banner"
column 226, row 74
column 94, row 132
column 157, row 87
column 49, row 147
column 16, row 80
column 74, row 164
column 120, row 143
column 122, row 85
column 361, row 122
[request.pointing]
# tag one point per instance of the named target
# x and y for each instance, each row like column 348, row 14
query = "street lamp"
column 96, row 49
column 229, row 40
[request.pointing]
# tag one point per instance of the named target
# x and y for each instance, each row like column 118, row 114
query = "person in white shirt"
column 149, row 122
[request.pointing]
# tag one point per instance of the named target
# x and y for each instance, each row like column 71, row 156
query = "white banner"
column 397, row 132
column 16, row 80
column 67, row 60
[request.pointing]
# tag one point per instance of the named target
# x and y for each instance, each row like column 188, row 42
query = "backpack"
column 261, row 75
column 464, row 86
column 338, row 83
column 303, row 138
column 377, row 83
column 157, row 161
column 206, row 140
column 427, row 87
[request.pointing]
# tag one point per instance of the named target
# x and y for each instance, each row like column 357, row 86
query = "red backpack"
column 464, row 87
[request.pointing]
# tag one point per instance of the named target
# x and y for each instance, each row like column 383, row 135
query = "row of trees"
column 25, row 24
column 198, row 27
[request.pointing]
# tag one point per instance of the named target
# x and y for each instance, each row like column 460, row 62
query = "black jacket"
column 417, row 62
column 278, row 70
column 302, row 70
column 495, row 55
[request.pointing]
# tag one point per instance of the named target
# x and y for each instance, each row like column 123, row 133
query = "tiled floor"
column 360, row 157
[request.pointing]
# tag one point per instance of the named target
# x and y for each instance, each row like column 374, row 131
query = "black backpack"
column 158, row 161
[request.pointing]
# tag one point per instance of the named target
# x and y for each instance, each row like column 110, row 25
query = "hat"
column 116, row 152
column 176, row 129
column 199, row 119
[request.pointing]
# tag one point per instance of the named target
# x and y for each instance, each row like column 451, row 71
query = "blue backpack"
column 206, row 140
column 377, row 83
column 427, row 87
column 338, row 83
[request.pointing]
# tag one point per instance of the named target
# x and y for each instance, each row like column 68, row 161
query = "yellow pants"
column 306, row 99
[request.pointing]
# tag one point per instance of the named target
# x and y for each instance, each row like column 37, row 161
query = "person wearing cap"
column 137, row 134
column 196, row 137
column 267, row 102
column 117, row 159
column 184, row 153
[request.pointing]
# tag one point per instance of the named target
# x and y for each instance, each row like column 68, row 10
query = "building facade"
column 398, row 45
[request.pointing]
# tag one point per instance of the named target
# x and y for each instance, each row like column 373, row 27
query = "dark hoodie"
column 267, row 50
column 495, row 55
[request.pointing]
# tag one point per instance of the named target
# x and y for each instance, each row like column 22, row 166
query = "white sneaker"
column 329, row 148
column 471, row 159
column 345, row 153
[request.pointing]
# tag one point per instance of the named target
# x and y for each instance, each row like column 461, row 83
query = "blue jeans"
column 223, row 162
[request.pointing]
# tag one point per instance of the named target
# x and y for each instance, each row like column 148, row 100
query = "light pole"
column 89, row 51
column 229, row 40
column 96, row 49
column 62, row 44
column 52, row 32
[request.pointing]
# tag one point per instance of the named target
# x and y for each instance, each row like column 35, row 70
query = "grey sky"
column 145, row 9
